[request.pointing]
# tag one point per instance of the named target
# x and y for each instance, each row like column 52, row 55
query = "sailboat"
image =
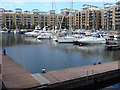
column 69, row 38
column 48, row 34
column 16, row 31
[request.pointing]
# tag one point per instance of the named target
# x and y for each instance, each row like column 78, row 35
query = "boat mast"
column 53, row 16
column 9, row 21
column 103, row 12
column 61, row 22
column 70, row 16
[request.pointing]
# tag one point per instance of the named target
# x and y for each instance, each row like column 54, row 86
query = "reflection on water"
column 34, row 54
column 115, row 86
column 15, row 39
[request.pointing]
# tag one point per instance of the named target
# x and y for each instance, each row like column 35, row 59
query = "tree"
column 66, row 26
column 2, row 25
column 13, row 26
column 22, row 26
column 42, row 25
column 33, row 26
column 50, row 27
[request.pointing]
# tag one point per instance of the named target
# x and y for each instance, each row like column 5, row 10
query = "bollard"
column 99, row 62
column 43, row 70
column 4, row 52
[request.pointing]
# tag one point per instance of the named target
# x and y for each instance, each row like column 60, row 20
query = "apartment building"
column 111, row 16
column 89, row 18
column 95, row 18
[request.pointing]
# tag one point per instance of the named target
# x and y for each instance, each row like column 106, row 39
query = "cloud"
column 6, row 5
column 21, row 1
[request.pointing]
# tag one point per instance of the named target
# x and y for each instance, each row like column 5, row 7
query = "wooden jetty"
column 112, row 47
column 82, row 76
column 15, row 76
column 0, row 72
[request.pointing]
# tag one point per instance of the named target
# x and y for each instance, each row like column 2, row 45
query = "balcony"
column 111, row 16
column 117, row 20
column 117, row 12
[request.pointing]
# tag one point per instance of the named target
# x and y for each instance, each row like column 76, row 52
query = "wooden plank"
column 40, row 79
column 78, row 72
column 50, row 78
column 15, row 76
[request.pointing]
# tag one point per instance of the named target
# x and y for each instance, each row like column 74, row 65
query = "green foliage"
column 33, row 26
column 66, row 26
column 50, row 27
column 13, row 26
column 42, row 25
column 22, row 26
column 2, row 25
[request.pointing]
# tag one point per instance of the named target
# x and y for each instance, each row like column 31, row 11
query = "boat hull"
column 66, row 40
column 91, row 40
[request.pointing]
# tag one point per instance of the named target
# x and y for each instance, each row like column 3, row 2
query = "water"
column 34, row 55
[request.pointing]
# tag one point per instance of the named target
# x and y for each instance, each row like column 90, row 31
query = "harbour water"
column 34, row 55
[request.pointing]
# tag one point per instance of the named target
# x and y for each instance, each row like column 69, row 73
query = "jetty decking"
column 15, row 76
column 0, row 71
column 75, row 74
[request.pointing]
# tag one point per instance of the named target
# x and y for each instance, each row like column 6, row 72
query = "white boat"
column 95, row 38
column 45, row 35
column 117, row 35
column 34, row 33
column 4, row 30
column 16, row 31
column 45, row 28
column 37, row 27
column 66, row 39
column 23, row 31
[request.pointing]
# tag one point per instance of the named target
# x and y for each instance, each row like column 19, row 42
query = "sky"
column 46, row 5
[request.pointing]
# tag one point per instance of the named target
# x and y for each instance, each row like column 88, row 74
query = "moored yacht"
column 22, row 31
column 65, row 39
column 94, row 38
column 35, row 32
column 45, row 35
column 4, row 30
column 117, row 35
